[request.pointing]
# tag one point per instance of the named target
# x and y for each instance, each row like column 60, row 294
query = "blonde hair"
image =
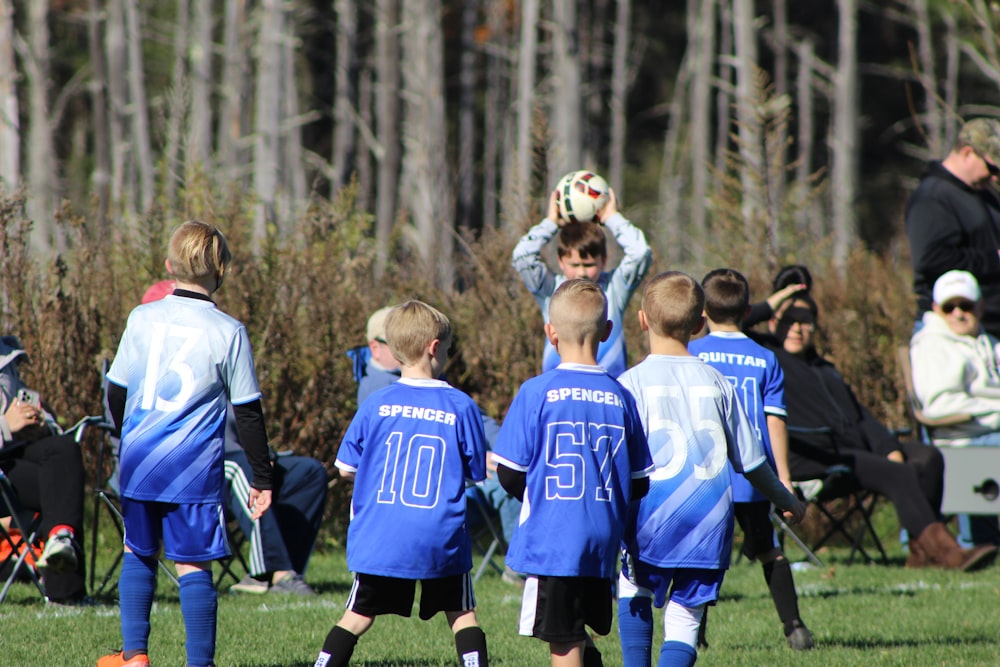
column 198, row 251
column 673, row 303
column 411, row 326
column 579, row 311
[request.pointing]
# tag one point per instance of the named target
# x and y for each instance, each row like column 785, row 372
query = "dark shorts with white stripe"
column 557, row 609
column 373, row 595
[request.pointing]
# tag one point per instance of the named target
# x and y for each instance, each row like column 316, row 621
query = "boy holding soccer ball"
column 180, row 364
column 410, row 449
column 582, row 252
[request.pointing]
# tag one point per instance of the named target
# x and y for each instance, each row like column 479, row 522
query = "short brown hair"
column 411, row 326
column 197, row 251
column 587, row 238
column 579, row 310
column 673, row 303
column 727, row 295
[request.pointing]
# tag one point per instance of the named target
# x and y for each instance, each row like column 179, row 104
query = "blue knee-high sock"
column 136, row 586
column 199, row 606
column 635, row 630
column 677, row 654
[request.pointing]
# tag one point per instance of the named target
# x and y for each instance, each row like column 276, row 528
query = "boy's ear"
column 608, row 326
column 699, row 326
column 551, row 334
column 643, row 324
column 433, row 347
column 170, row 270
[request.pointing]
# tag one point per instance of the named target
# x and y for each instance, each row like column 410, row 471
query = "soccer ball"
column 581, row 195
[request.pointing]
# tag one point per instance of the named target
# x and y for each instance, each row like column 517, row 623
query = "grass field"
column 860, row 615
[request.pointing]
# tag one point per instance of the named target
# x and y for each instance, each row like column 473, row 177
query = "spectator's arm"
column 759, row 312
column 253, row 439
column 937, row 244
column 512, row 481
column 939, row 372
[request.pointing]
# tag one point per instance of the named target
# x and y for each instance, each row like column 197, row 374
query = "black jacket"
column 953, row 226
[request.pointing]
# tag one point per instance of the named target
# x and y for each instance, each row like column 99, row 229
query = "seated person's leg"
column 302, row 482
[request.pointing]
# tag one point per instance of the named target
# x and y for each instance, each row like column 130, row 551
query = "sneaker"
column 118, row 660
column 294, row 585
column 800, row 638
column 59, row 555
column 249, row 584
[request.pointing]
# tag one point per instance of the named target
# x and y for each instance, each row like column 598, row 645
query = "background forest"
column 358, row 153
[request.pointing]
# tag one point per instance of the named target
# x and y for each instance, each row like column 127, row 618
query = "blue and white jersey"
column 182, row 362
column 617, row 284
column 694, row 423
column 760, row 385
column 413, row 445
column 575, row 433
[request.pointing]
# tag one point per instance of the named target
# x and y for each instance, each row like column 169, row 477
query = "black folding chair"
column 487, row 539
column 19, row 536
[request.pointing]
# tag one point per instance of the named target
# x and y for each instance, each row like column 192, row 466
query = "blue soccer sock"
column 199, row 606
column 677, row 654
column 136, row 586
column 635, row 630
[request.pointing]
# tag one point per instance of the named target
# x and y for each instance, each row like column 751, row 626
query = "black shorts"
column 556, row 609
column 372, row 595
column 758, row 531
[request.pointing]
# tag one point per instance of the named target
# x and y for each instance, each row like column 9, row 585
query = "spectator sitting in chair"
column 910, row 475
column 282, row 540
column 45, row 469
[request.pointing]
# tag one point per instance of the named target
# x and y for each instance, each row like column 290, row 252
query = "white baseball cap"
column 956, row 284
column 376, row 324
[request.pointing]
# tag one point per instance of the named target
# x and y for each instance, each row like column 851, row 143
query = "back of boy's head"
column 727, row 295
column 411, row 326
column 578, row 310
column 794, row 274
column 587, row 238
column 198, row 251
column 673, row 303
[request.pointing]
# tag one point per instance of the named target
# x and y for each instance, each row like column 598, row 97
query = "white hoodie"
column 955, row 374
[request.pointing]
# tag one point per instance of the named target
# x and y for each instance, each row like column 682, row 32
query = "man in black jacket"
column 953, row 218
column 909, row 474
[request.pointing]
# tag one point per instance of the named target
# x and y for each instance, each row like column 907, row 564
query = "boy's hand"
column 609, row 209
column 796, row 513
column 258, row 502
column 553, row 213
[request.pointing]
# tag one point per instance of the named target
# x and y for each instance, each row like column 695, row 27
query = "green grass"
column 860, row 615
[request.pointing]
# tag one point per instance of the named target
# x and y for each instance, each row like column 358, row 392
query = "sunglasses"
column 990, row 167
column 964, row 306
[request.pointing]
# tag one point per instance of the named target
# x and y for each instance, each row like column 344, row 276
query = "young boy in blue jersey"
column 410, row 450
column 755, row 373
column 680, row 534
column 582, row 252
column 180, row 364
column 572, row 449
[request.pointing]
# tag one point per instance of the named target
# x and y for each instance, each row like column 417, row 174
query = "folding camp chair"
column 487, row 539
column 851, row 518
column 19, row 537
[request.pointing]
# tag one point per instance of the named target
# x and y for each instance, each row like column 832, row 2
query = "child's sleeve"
column 513, row 446
column 352, row 446
column 527, row 259
column 635, row 260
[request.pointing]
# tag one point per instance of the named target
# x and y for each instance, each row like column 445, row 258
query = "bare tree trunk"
column 10, row 126
column 101, row 177
column 803, row 166
column 467, row 118
column 672, row 178
column 952, row 62
column 933, row 120
column 177, row 102
column 344, row 145
column 229, row 155
column 592, row 45
column 844, row 135
column 778, row 183
column 42, row 185
column 199, row 140
column 294, row 166
column 366, row 177
column 387, row 110
column 122, row 192
column 494, row 118
column 142, row 151
column 267, row 131
column 565, row 151
column 425, row 138
column 752, row 168
column 703, row 50
column 619, row 91
column 723, row 95
column 526, row 61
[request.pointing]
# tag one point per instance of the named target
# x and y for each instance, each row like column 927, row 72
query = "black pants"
column 47, row 476
column 915, row 488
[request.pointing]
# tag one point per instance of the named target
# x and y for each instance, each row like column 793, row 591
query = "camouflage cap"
column 983, row 134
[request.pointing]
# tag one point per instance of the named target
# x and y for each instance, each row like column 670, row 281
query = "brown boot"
column 918, row 557
column 941, row 549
